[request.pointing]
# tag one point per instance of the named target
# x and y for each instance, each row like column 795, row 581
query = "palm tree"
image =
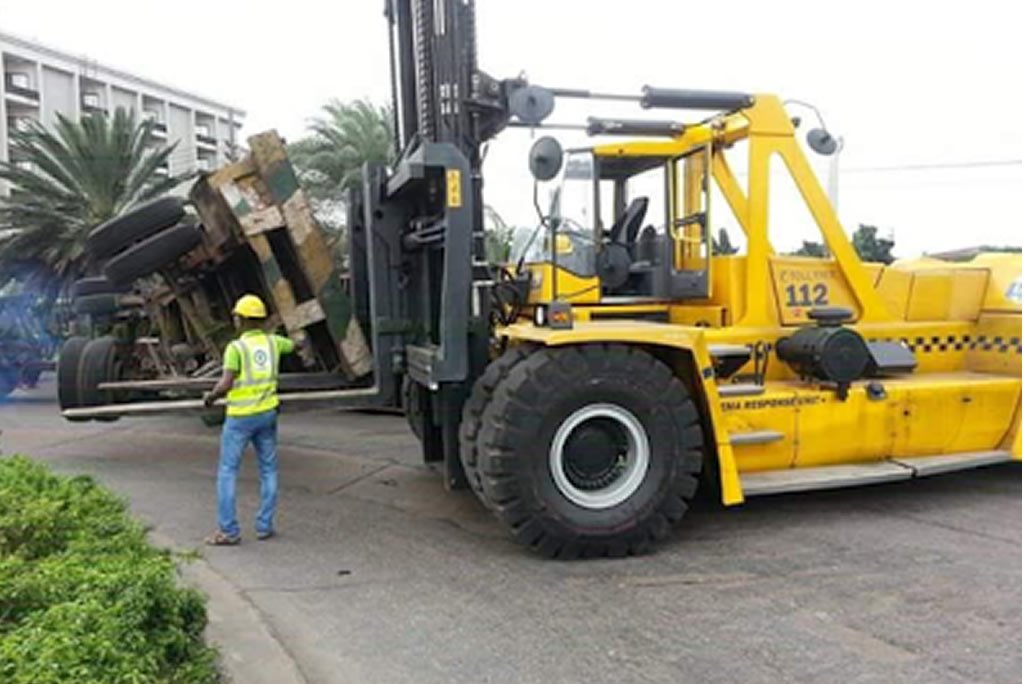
column 341, row 140
column 66, row 181
column 329, row 161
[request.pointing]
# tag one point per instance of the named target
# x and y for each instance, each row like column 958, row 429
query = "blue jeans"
column 261, row 430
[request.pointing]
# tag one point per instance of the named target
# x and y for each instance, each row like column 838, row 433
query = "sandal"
column 264, row 536
column 221, row 539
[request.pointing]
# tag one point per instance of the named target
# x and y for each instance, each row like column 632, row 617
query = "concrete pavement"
column 379, row 575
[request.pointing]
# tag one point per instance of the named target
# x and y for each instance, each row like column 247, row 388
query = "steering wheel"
column 629, row 223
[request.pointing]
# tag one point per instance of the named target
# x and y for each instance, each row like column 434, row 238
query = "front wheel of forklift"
column 591, row 450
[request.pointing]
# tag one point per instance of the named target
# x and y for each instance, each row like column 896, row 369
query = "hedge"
column 83, row 596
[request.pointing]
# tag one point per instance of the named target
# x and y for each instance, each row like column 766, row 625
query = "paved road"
column 380, row 576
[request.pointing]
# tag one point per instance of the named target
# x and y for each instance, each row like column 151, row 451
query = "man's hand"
column 223, row 386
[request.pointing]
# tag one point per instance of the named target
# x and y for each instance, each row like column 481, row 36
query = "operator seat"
column 616, row 256
column 625, row 229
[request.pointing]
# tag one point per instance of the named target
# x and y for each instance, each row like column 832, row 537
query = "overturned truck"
column 167, row 274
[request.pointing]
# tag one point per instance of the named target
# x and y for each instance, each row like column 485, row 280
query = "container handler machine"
column 585, row 390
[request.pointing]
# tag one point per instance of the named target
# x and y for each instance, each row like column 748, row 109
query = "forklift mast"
column 419, row 280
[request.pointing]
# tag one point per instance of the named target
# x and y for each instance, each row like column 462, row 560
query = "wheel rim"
column 599, row 456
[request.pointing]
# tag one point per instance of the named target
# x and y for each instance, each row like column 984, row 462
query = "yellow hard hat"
column 250, row 306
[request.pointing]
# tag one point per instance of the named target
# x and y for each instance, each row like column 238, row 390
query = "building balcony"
column 206, row 142
column 20, row 123
column 16, row 91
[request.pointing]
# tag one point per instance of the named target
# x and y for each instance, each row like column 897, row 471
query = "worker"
column 249, row 381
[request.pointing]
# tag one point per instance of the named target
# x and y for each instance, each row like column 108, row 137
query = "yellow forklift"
column 639, row 360
column 587, row 388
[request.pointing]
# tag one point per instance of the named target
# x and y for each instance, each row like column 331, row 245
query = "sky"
column 924, row 86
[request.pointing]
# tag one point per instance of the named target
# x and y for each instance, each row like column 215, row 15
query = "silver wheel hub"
column 599, row 456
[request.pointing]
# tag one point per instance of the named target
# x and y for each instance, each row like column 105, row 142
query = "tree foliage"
column 870, row 247
column 67, row 180
column 809, row 248
column 865, row 241
column 83, row 597
column 341, row 139
column 329, row 161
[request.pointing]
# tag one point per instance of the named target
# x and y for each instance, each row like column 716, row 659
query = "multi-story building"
column 40, row 82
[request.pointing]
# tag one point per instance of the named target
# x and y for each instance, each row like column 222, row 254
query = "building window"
column 203, row 130
column 91, row 100
column 19, row 79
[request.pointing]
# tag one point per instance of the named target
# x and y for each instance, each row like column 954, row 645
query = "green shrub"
column 83, row 597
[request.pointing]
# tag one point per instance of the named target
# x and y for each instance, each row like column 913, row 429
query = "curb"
column 249, row 651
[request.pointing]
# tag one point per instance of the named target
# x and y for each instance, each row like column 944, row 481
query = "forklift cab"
column 622, row 227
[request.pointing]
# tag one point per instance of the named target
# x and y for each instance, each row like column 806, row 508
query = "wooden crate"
column 258, row 201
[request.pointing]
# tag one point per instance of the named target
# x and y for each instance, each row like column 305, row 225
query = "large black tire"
column 630, row 457
column 136, row 224
column 99, row 364
column 96, row 304
column 67, row 373
column 152, row 253
column 473, row 411
column 95, row 285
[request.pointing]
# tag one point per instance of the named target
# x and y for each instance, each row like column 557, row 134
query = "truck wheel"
column 137, row 224
column 8, row 381
column 152, row 253
column 593, row 450
column 96, row 304
column 67, row 374
column 473, row 411
column 99, row 364
column 95, row 285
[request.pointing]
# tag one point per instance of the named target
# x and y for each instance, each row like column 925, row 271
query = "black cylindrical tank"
column 827, row 351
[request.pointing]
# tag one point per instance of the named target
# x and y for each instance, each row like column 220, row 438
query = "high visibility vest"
column 255, row 388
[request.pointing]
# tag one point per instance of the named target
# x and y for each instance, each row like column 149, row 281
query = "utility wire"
column 930, row 167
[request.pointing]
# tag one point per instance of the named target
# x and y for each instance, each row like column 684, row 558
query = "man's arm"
column 223, row 386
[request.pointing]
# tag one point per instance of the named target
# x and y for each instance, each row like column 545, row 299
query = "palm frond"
column 65, row 181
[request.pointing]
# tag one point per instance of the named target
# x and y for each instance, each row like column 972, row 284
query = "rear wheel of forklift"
column 591, row 450
column 67, row 374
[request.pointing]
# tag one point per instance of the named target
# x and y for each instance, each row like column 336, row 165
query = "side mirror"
column 545, row 158
column 531, row 104
column 822, row 142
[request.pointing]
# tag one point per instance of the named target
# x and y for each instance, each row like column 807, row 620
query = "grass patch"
column 83, row 596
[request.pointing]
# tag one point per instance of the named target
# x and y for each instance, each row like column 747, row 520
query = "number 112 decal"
column 807, row 295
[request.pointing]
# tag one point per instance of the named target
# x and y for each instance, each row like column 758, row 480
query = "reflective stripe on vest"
column 255, row 387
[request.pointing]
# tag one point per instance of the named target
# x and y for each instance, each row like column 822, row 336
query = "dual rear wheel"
column 82, row 366
column 592, row 450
